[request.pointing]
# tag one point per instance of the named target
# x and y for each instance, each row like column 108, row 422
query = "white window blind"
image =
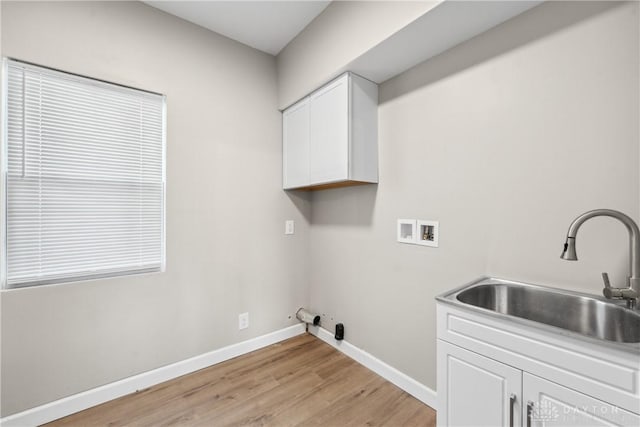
column 84, row 178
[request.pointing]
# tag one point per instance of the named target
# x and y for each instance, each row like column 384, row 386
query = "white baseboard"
column 388, row 372
column 78, row 402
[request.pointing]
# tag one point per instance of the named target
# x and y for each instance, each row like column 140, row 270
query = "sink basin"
column 579, row 313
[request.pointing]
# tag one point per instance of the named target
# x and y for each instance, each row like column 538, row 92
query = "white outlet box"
column 428, row 233
column 243, row 320
column 289, row 227
column 418, row 232
column 407, row 230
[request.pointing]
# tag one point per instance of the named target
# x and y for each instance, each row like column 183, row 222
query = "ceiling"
column 265, row 25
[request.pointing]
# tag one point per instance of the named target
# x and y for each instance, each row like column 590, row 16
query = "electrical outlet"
column 243, row 320
column 289, row 227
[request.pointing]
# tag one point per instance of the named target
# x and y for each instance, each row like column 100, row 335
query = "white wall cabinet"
column 330, row 138
column 497, row 373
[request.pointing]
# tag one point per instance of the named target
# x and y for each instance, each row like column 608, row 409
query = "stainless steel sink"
column 583, row 314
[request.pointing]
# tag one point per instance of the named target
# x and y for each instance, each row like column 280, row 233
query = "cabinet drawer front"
column 329, row 133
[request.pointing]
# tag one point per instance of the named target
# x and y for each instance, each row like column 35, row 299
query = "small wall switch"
column 243, row 320
column 428, row 232
column 289, row 227
column 407, row 230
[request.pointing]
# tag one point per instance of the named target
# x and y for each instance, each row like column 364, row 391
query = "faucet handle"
column 608, row 291
column 605, row 279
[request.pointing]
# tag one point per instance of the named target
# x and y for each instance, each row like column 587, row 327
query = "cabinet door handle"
column 529, row 413
column 512, row 402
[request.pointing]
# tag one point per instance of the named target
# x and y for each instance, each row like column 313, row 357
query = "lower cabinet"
column 474, row 390
column 550, row 404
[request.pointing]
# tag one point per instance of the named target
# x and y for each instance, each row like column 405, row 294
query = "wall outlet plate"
column 427, row 233
column 289, row 227
column 406, row 230
column 243, row 320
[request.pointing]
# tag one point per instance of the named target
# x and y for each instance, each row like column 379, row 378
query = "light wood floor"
column 302, row 381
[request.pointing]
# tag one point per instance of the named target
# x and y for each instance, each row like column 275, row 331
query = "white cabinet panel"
column 474, row 390
column 329, row 133
column 295, row 145
column 550, row 404
column 330, row 138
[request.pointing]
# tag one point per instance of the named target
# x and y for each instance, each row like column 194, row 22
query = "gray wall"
column 226, row 250
column 503, row 139
column 341, row 33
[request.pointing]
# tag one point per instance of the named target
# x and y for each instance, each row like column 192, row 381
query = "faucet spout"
column 569, row 252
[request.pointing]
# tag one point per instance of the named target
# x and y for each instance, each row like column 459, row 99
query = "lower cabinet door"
column 474, row 390
column 550, row 404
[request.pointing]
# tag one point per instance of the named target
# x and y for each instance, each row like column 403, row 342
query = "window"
column 83, row 170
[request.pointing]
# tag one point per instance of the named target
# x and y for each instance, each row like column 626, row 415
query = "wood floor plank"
column 298, row 382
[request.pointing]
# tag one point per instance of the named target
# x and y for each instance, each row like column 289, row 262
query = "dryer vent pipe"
column 307, row 317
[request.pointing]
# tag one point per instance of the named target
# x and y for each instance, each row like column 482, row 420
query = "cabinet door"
column 550, row 404
column 295, row 145
column 329, row 141
column 474, row 390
